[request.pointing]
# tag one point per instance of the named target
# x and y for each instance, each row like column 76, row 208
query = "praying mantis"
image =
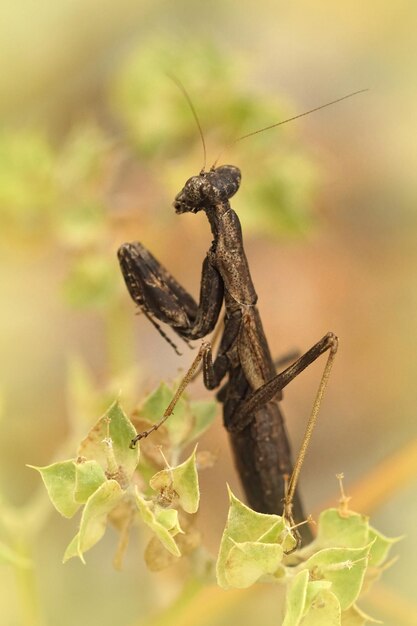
column 252, row 391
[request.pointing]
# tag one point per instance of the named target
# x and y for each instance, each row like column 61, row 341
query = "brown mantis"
column 253, row 389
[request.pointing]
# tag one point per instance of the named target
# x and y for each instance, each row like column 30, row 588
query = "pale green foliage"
column 248, row 531
column 103, row 478
column 89, row 475
column 116, row 429
column 59, row 479
column 344, row 568
column 189, row 420
column 94, row 518
column 182, row 482
column 325, row 579
column 164, row 527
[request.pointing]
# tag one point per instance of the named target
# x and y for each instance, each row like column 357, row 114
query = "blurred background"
column 95, row 142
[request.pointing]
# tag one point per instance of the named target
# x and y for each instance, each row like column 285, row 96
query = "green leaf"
column 380, row 547
column 89, row 475
column 336, row 530
column 179, row 424
column 59, row 480
column 154, row 405
column 315, row 587
column 116, row 426
column 168, row 518
column 247, row 562
column 180, row 481
column 122, row 432
column 344, row 567
column 324, row 611
column 158, row 558
column 308, row 602
column 245, row 525
column 203, row 413
column 352, row 531
column 296, row 599
column 354, row 616
column 189, row 420
column 157, row 520
column 94, row 519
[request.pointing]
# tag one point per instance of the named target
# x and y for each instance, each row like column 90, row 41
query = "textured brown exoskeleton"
column 253, row 389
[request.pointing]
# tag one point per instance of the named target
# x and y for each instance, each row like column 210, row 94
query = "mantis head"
column 208, row 189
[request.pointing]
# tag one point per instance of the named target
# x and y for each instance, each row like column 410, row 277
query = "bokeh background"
column 95, row 141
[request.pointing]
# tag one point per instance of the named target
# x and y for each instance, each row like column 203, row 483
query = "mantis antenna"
column 193, row 111
column 290, row 119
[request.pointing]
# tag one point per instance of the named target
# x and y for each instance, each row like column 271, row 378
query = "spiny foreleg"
column 162, row 298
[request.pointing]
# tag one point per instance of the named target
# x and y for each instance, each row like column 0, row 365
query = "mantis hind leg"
column 286, row 359
column 261, row 396
column 269, row 451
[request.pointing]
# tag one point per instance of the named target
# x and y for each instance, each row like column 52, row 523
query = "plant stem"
column 27, row 590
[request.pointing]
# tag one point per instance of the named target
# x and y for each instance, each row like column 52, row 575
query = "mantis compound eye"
column 229, row 177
